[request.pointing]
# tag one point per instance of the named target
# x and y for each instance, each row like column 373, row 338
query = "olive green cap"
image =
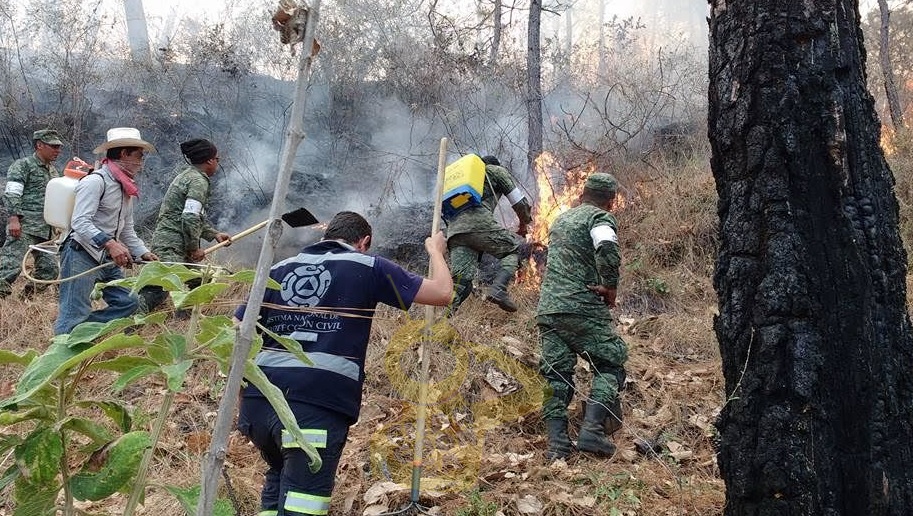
column 601, row 182
column 48, row 136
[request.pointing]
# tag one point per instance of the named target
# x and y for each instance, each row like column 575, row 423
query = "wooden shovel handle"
column 235, row 237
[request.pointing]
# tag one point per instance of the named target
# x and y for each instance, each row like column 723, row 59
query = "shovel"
column 296, row 219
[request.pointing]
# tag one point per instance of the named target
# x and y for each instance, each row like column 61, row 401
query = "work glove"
column 522, row 230
column 606, row 293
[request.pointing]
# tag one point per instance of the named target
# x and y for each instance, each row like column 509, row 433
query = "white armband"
column 603, row 233
column 14, row 188
column 515, row 196
column 193, row 206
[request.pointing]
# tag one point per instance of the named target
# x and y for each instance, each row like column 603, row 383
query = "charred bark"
column 814, row 334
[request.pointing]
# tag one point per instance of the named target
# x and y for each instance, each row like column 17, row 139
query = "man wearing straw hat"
column 103, row 233
column 26, row 182
column 182, row 218
column 328, row 296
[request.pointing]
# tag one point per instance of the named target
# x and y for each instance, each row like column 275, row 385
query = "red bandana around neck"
column 126, row 182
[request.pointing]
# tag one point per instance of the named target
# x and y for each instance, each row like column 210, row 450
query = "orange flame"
column 558, row 190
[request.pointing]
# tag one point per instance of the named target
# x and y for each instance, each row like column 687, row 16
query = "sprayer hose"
column 58, row 280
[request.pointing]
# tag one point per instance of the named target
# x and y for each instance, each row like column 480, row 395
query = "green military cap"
column 48, row 136
column 601, row 182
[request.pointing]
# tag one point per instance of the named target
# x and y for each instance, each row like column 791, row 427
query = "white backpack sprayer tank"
column 60, row 194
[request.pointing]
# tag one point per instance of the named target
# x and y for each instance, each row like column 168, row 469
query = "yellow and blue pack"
column 464, row 182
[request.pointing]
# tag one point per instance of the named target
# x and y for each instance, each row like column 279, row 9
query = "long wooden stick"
column 235, row 237
column 228, row 405
column 426, row 338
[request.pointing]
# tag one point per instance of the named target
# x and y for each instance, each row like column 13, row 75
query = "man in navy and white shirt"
column 331, row 290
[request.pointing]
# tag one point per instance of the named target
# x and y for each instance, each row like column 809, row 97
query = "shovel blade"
column 299, row 218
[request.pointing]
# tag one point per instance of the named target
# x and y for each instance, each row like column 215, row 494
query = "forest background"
column 625, row 94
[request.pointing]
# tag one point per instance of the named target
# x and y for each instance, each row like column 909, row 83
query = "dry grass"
column 483, row 449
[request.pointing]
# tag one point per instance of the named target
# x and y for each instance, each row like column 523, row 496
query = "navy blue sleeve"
column 396, row 286
column 239, row 312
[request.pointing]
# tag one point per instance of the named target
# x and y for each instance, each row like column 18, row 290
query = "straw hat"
column 124, row 137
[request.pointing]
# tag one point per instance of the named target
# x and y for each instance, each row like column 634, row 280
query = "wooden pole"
column 228, row 405
column 422, row 413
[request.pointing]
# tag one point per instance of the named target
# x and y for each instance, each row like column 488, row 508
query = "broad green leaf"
column 60, row 358
column 248, row 276
column 177, row 344
column 117, row 411
column 288, row 343
column 119, row 467
column 176, row 374
column 9, row 476
column 121, row 363
column 89, row 332
column 8, row 357
column 190, row 496
column 8, row 417
column 34, row 499
column 199, row 296
column 158, row 351
column 8, row 442
column 153, row 318
column 38, row 457
column 218, row 334
column 171, row 277
column 99, row 434
column 255, row 375
column 133, row 375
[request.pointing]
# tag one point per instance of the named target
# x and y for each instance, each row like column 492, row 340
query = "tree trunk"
column 887, row 69
column 814, row 335
column 228, row 405
column 496, row 32
column 534, row 86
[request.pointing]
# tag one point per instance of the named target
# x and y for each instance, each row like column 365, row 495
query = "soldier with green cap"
column 574, row 319
column 182, row 218
column 26, row 181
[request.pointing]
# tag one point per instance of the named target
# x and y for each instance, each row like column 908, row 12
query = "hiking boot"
column 462, row 289
column 592, row 436
column 559, row 445
column 498, row 293
column 613, row 421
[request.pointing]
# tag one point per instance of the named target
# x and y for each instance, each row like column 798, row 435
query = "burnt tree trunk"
column 813, row 330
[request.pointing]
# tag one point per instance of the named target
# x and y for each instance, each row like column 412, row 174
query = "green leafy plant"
column 47, row 420
column 477, row 506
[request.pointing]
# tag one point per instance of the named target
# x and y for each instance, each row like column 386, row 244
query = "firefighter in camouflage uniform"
column 182, row 217
column 574, row 318
column 26, row 182
column 474, row 231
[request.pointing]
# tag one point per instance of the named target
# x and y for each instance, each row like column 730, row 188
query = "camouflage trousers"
column 466, row 250
column 565, row 336
column 11, row 262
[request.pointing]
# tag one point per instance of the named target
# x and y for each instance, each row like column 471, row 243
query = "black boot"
column 592, row 436
column 559, row 445
column 461, row 292
column 498, row 292
column 613, row 420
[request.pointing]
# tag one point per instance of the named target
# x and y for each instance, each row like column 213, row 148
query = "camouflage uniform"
column 26, row 182
column 474, row 231
column 178, row 231
column 573, row 320
column 180, row 226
